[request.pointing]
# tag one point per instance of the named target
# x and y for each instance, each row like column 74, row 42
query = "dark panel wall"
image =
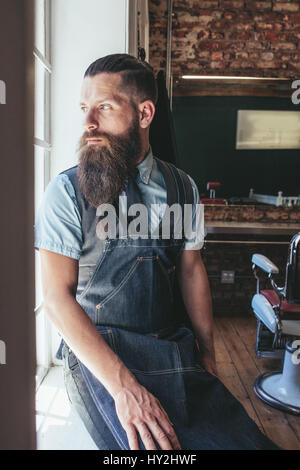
column 205, row 130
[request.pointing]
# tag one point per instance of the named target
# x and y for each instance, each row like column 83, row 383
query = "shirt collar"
column 145, row 167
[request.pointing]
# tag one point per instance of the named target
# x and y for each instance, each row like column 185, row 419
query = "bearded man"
column 138, row 374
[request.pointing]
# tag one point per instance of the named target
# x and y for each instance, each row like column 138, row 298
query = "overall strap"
column 179, row 186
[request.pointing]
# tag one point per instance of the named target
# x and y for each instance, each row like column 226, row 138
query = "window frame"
column 43, row 326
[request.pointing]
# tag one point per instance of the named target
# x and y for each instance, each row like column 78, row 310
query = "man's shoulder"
column 70, row 172
column 61, row 188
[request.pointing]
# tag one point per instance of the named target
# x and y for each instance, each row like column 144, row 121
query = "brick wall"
column 228, row 37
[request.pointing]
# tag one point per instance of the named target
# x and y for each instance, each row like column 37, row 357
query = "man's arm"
column 137, row 409
column 195, row 290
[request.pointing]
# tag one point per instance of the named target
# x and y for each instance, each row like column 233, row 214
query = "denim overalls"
column 128, row 288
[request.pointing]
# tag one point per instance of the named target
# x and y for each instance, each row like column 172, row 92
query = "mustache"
column 93, row 134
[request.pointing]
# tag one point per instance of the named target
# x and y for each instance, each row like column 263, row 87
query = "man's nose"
column 90, row 122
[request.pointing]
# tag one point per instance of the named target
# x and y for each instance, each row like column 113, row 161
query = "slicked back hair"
column 138, row 80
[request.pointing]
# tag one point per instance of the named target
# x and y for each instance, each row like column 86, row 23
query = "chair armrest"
column 264, row 263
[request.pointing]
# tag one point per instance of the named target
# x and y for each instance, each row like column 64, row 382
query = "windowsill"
column 57, row 423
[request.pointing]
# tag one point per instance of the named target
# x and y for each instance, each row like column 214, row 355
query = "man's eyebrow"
column 113, row 97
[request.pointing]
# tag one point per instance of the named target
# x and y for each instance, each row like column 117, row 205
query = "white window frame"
column 43, row 328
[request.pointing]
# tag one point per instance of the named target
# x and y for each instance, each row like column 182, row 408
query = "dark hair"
column 137, row 76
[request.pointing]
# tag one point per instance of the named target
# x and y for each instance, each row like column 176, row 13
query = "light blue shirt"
column 58, row 223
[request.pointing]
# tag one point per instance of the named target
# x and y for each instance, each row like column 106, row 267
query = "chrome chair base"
column 281, row 389
column 262, row 384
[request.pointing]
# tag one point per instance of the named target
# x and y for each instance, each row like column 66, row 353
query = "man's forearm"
column 197, row 298
column 86, row 342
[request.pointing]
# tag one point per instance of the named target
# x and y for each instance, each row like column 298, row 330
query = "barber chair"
column 278, row 330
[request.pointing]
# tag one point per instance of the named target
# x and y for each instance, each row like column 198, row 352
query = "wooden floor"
column 238, row 368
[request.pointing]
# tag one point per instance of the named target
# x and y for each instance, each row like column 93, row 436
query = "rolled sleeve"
column 58, row 223
column 195, row 240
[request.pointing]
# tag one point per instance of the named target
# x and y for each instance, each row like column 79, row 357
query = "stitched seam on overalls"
column 179, row 242
column 124, row 280
column 113, row 342
column 88, row 285
column 167, row 371
column 79, row 393
column 106, row 418
column 178, row 356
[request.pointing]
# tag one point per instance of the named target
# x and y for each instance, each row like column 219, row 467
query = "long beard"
column 103, row 171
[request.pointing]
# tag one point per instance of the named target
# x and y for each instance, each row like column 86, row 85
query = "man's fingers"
column 160, row 435
column 167, row 427
column 164, row 413
column 132, row 437
column 146, row 437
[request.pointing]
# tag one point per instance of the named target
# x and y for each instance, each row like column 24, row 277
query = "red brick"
column 210, row 45
column 203, row 54
column 203, row 35
column 283, row 46
column 272, row 17
column 254, row 55
column 244, row 26
column 221, row 25
column 232, row 4
column 241, row 64
column 228, row 56
column 209, row 4
column 267, row 56
column 264, row 26
column 241, row 55
column 230, row 15
column 217, row 35
column 270, row 36
column 267, row 65
column 286, row 7
column 217, row 56
column 180, row 34
column 252, row 5
column 255, row 45
column 295, row 18
column 218, row 65
column 244, row 36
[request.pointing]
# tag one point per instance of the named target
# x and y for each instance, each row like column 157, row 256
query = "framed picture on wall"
column 260, row 129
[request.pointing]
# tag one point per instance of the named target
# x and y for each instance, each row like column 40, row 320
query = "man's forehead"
column 103, row 86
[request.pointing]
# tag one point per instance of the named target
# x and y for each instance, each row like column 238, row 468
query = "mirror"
column 239, row 70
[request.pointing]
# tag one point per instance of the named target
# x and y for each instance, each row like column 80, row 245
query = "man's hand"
column 206, row 359
column 139, row 411
column 209, row 364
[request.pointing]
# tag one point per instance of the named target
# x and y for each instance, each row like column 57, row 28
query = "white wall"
column 82, row 31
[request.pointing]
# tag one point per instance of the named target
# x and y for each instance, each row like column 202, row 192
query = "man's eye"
column 83, row 109
column 104, row 106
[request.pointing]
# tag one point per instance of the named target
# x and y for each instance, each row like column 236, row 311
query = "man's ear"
column 146, row 113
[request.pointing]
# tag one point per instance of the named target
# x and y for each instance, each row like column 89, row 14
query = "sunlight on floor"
column 58, row 425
